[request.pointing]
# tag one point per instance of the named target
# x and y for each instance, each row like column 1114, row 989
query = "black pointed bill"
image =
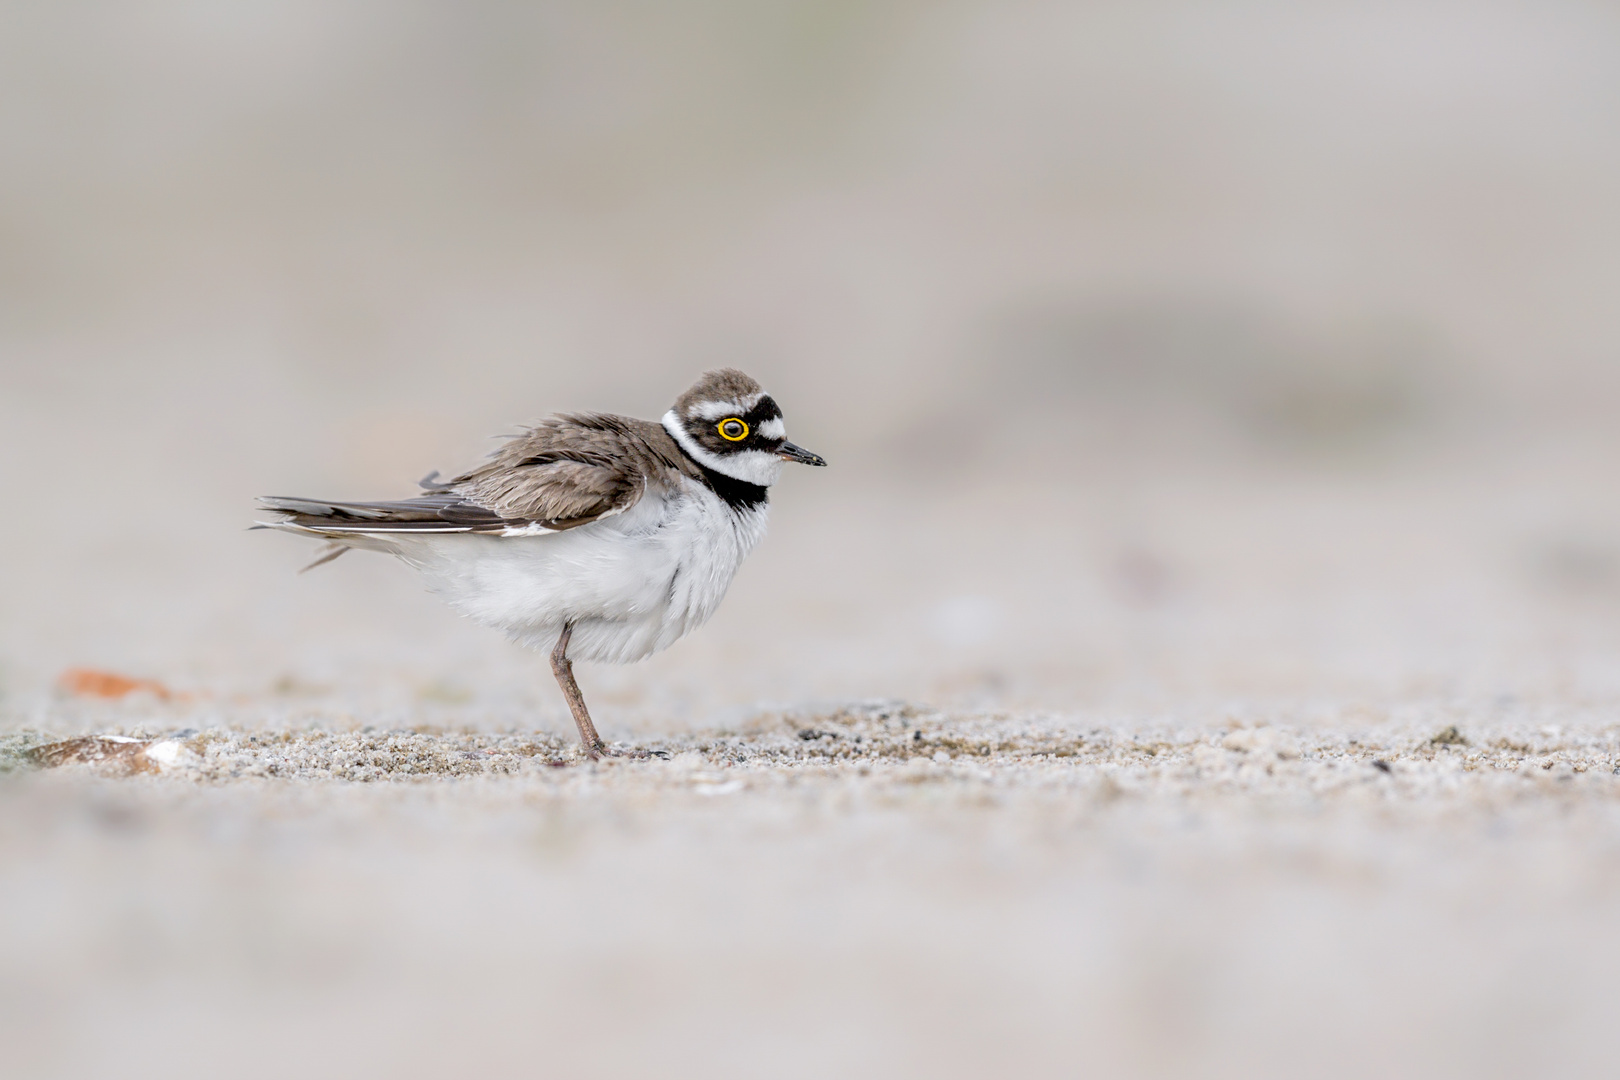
column 791, row 452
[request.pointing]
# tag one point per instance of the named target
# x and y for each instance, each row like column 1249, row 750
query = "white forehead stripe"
column 773, row 429
column 716, row 410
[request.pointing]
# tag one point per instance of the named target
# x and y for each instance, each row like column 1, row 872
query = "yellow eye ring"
column 732, row 429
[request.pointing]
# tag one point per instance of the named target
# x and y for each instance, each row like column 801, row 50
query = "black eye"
column 733, row 430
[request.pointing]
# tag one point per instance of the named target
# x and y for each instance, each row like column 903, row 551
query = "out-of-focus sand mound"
column 880, row 889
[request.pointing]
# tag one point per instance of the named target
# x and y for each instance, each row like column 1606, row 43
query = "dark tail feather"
column 431, row 482
column 331, row 552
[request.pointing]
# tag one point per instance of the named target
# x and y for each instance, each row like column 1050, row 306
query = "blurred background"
column 1180, row 365
column 1161, row 348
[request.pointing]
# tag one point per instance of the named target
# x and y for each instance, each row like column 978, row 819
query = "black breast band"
column 738, row 494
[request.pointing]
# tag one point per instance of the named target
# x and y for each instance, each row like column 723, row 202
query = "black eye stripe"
column 765, row 410
column 708, row 430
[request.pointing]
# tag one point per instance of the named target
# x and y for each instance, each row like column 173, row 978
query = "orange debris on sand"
column 87, row 682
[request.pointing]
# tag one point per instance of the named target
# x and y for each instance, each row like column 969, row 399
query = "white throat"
column 750, row 466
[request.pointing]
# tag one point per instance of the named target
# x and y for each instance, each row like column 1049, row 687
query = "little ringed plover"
column 601, row 537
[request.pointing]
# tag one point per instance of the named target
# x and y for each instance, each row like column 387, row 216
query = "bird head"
column 728, row 423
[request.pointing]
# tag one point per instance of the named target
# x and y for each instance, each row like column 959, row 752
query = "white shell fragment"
column 114, row 755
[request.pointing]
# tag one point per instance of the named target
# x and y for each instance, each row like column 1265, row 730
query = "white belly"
column 631, row 584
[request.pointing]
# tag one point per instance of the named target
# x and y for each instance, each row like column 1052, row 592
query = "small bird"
column 601, row 537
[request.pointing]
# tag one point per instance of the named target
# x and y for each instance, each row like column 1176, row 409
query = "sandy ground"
column 878, row 890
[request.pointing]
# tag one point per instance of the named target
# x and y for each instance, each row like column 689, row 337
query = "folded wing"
column 564, row 473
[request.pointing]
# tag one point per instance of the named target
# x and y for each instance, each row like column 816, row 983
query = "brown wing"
column 564, row 472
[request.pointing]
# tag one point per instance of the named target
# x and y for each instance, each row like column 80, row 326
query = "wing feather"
column 565, row 472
